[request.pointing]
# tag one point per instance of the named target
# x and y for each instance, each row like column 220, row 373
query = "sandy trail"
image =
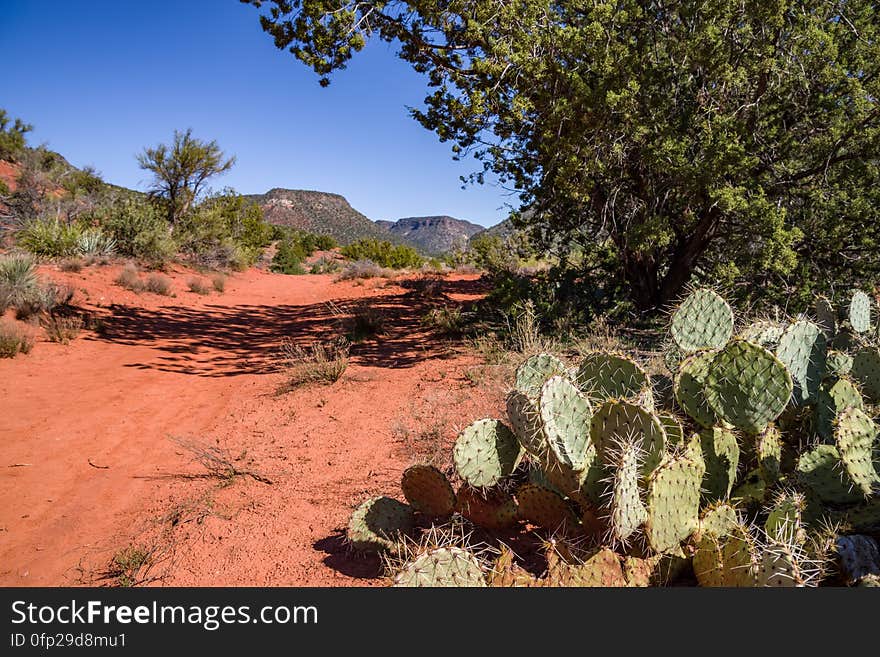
column 87, row 466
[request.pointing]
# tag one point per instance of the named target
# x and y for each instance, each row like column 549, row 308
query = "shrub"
column 62, row 328
column 295, row 246
column 129, row 278
column 366, row 321
column 218, row 281
column 363, row 269
column 44, row 299
column 14, row 339
column 71, row 265
column 199, row 286
column 158, row 284
column 447, row 320
column 324, row 265
column 18, row 279
column 321, row 362
column 383, row 253
column 94, row 243
column 49, row 236
column 138, row 230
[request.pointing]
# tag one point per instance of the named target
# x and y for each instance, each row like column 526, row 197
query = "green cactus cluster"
column 761, row 468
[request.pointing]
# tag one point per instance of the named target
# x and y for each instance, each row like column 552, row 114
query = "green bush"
column 383, row 253
column 18, row 280
column 295, row 246
column 138, row 230
column 50, row 236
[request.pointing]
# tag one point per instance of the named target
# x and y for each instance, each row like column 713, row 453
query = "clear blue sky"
column 101, row 79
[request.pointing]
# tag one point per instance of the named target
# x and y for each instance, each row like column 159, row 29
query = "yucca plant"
column 18, row 279
column 92, row 242
column 49, row 236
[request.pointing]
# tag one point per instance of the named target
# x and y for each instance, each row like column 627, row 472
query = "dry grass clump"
column 158, row 284
column 130, row 279
column 15, row 338
column 62, row 328
column 360, row 269
column 199, row 286
column 320, row 362
column 218, row 281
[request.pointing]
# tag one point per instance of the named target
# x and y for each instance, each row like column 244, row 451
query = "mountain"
column 433, row 235
column 317, row 212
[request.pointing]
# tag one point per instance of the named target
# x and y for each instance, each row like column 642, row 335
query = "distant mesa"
column 432, row 235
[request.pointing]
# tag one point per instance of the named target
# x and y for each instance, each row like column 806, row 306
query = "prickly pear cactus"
column 764, row 333
column 784, row 524
column 803, row 349
column 833, row 399
column 534, row 371
column 566, row 414
column 493, row 509
column 428, row 490
column 866, row 371
column 673, row 429
column 673, row 503
column 860, row 311
column 525, row 419
column 377, row 524
column 542, row 507
column 747, row 386
column 688, row 388
column 703, row 321
column 721, row 455
column 627, row 512
column 603, row 375
column 719, row 520
column 822, row 471
column 854, row 434
column 601, row 569
column 838, row 363
column 444, row 566
column 619, row 421
column 786, row 565
column 485, row 452
column 728, row 561
column 768, row 450
column 826, row 317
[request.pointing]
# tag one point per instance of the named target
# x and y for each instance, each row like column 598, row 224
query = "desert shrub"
column 138, row 230
column 49, row 236
column 491, row 253
column 71, row 265
column 14, row 338
column 199, row 286
column 324, row 265
column 62, row 328
column 366, row 321
column 295, row 246
column 363, row 269
column 158, row 284
column 92, row 242
column 218, row 281
column 46, row 298
column 130, row 279
column 12, row 136
column 383, row 253
column 447, row 320
column 320, row 362
column 18, row 279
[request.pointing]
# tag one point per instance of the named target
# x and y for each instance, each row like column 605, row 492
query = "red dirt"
column 87, row 467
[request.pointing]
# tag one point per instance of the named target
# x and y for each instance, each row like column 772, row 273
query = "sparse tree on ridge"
column 181, row 169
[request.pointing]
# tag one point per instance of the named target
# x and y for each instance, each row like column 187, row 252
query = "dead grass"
column 15, row 338
column 62, row 328
column 218, row 463
column 363, row 269
column 71, row 265
column 524, row 331
column 159, row 284
column 218, row 281
column 446, row 320
column 320, row 362
column 199, row 286
column 130, row 566
column 130, row 279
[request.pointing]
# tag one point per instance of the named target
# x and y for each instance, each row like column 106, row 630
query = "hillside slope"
column 434, row 235
column 316, row 212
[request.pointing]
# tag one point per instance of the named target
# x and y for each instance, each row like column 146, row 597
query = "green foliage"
column 724, row 141
column 138, row 229
column 12, row 136
column 18, row 280
column 295, row 246
column 383, row 253
column 50, row 237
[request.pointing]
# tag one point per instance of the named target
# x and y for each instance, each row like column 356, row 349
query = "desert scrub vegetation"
column 365, row 321
column 325, row 265
column 321, row 362
column 130, row 279
column 62, row 328
column 15, row 338
column 748, row 461
column 218, row 282
column 363, row 269
column 199, row 286
column 18, row 280
column 383, row 253
column 446, row 320
column 158, row 284
column 294, row 247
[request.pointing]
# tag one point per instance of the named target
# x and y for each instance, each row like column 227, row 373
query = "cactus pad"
column 534, row 371
column 627, row 511
column 494, row 509
column 747, row 386
column 866, row 371
column 672, row 428
column 719, row 520
column 673, row 503
column 688, row 388
column 602, row 569
column 768, row 449
column 542, row 507
column 721, row 455
column 833, row 398
column 566, row 414
column 821, row 471
column 855, row 434
column 378, row 523
column 485, row 452
column 803, row 349
column 826, row 317
column 726, row 561
column 428, row 491
column 838, row 363
column 784, row 523
column 525, row 419
column 703, row 321
column 859, row 312
column 786, row 565
column 445, row 566
column 603, row 375
column 763, row 333
column 619, row 421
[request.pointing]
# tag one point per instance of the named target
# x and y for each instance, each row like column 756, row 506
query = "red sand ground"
column 88, row 467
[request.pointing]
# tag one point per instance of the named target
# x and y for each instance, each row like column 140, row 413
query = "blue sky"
column 101, row 79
